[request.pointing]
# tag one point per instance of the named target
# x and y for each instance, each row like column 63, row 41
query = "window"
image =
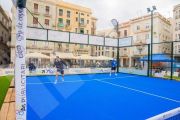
column 119, row 34
column 92, row 32
column 147, row 25
column 82, row 13
column 107, row 54
column 112, row 54
column 60, row 12
column 107, row 48
column 35, row 22
column 47, row 10
column 82, row 21
column 67, row 46
column 96, row 53
column 163, row 37
column 96, row 47
column 179, row 37
column 166, row 38
column 99, row 48
column 35, row 7
column 60, row 20
column 46, row 22
column 113, row 48
column 92, row 24
column 99, row 54
column 138, row 27
column 102, row 48
column 59, row 46
column 34, row 42
column 76, row 19
column 68, row 22
column 88, row 15
column 146, row 36
column 81, row 46
column 87, row 31
column 179, row 48
column 75, row 44
column 159, row 35
column 76, row 12
column 102, row 53
column 82, row 30
column 76, row 30
column 68, row 14
column 125, row 33
column 137, row 38
column 87, row 21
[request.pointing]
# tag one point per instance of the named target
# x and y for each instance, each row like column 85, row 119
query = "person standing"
column 113, row 66
column 59, row 65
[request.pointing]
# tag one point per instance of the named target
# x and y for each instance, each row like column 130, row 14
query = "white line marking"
column 77, row 80
column 140, row 91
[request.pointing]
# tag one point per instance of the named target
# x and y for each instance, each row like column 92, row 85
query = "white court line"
column 77, row 80
column 140, row 91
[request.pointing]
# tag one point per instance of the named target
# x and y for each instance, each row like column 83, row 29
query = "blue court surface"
column 100, row 97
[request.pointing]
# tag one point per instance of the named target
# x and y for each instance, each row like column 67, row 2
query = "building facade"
column 140, row 31
column 76, row 19
column 5, row 36
column 176, row 31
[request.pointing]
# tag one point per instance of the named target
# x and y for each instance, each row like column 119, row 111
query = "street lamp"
column 149, row 10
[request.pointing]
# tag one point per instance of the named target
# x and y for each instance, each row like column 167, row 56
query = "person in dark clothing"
column 60, row 69
column 30, row 66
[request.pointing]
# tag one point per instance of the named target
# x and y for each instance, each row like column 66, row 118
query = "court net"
column 170, row 115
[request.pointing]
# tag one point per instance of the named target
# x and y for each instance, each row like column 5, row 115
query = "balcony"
column 82, row 48
column 60, row 25
column 137, row 52
column 35, row 25
column 93, row 27
column 35, row 11
column 177, row 28
column 46, row 26
column 68, row 27
column 178, row 16
column 177, row 39
column 47, row 13
column 82, row 24
column 139, row 42
column 142, row 30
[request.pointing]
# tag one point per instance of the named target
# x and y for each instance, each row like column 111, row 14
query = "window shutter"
column 35, row 20
column 47, row 8
column 35, row 6
column 46, row 21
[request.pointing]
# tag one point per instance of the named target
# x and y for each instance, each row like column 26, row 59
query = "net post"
column 148, row 59
column 171, row 60
column 117, row 48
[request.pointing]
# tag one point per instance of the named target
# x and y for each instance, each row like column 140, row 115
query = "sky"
column 122, row 10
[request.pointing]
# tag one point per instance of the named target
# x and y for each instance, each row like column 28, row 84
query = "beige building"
column 77, row 19
column 5, row 36
column 140, row 30
column 176, row 31
column 45, row 13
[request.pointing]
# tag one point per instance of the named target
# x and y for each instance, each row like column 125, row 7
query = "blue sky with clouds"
column 122, row 10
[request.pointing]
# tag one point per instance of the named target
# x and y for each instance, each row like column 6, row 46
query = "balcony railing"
column 47, row 13
column 35, row 11
column 145, row 29
column 60, row 25
column 177, row 39
column 82, row 48
column 82, row 24
column 177, row 28
column 34, row 25
column 47, row 26
column 178, row 16
column 93, row 26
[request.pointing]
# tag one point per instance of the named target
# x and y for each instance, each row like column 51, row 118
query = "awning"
column 158, row 58
column 63, row 56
